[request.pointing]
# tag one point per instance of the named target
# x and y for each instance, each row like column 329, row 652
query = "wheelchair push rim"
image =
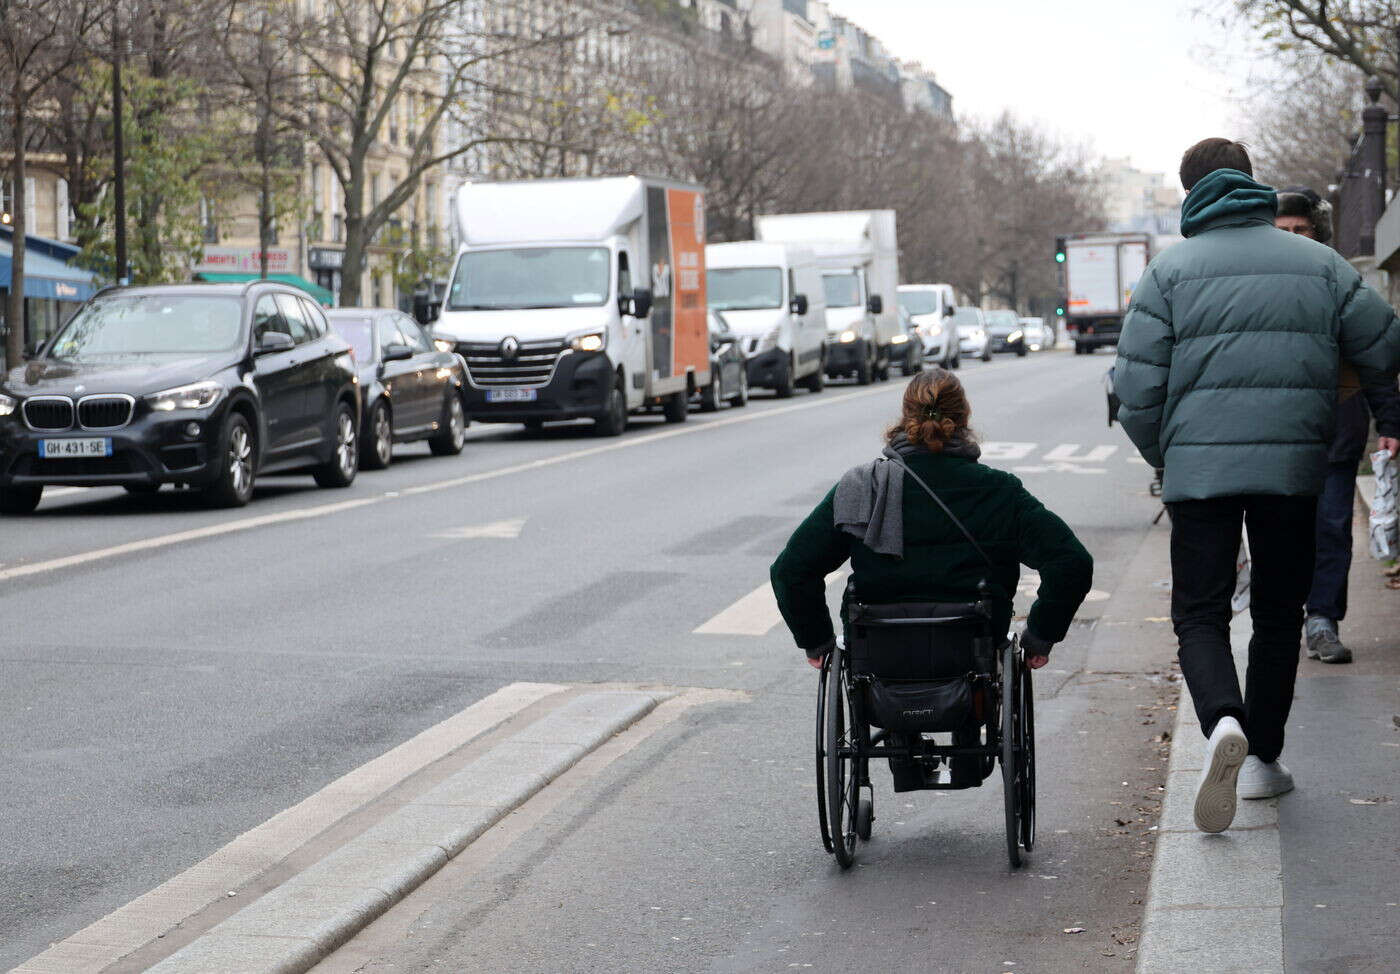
column 1012, row 750
column 1026, row 770
column 838, row 767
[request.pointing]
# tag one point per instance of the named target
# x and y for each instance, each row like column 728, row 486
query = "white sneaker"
column 1260, row 780
column 1215, row 796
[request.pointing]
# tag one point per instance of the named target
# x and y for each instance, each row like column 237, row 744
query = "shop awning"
column 47, row 277
column 324, row 297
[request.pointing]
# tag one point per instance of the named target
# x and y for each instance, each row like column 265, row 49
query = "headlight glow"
column 846, row 337
column 592, row 342
column 899, row 339
column 196, row 395
column 8, row 404
column 443, row 345
column 1015, row 336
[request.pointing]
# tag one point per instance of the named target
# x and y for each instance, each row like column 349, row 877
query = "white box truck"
column 579, row 298
column 771, row 296
column 1101, row 271
column 858, row 252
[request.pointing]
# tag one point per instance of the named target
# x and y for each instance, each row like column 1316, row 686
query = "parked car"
column 410, row 389
column 729, row 369
column 1004, row 332
column 905, row 348
column 931, row 305
column 207, row 385
column 1038, row 337
column 971, row 324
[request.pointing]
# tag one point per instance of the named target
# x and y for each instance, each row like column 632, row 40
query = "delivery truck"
column 1100, row 273
column 578, row 299
column 858, row 254
column 771, row 296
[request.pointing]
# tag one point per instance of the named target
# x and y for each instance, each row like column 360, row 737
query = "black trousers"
column 1205, row 544
column 1333, row 564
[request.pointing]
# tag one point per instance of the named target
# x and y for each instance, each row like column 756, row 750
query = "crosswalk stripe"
column 754, row 614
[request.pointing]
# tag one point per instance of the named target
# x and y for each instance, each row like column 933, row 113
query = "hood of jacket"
column 1226, row 196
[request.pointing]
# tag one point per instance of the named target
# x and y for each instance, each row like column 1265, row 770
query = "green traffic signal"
column 1060, row 312
column 1060, row 257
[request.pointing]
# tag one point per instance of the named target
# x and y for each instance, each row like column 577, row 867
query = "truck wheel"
column 613, row 419
column 783, row 385
column 1020, row 351
column 20, row 500
column 675, row 407
column 816, row 382
column 987, row 352
column 865, row 371
column 957, row 360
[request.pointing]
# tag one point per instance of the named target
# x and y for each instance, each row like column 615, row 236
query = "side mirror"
column 948, row 310
column 425, row 309
column 639, row 304
column 397, row 353
column 799, row 304
column 875, row 305
column 274, row 341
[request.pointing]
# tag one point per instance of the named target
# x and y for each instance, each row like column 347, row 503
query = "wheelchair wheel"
column 842, row 771
column 1010, row 751
column 1026, row 769
column 865, row 818
column 821, row 754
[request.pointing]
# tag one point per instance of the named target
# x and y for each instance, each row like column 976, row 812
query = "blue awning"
column 47, row 277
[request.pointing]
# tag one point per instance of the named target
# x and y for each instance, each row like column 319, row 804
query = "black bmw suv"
column 206, row 385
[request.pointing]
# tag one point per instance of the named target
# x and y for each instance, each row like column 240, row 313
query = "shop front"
column 53, row 288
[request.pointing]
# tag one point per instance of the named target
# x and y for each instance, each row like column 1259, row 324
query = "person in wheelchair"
column 905, row 547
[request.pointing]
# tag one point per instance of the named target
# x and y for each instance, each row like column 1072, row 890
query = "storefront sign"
column 245, row 260
column 325, row 259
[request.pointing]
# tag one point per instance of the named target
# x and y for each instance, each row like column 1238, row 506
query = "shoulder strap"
column 951, row 516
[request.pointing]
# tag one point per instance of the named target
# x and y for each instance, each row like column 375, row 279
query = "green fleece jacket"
column 939, row 565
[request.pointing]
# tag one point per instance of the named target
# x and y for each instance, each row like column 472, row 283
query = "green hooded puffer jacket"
column 1227, row 365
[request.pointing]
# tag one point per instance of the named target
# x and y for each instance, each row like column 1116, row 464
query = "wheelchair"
column 908, row 670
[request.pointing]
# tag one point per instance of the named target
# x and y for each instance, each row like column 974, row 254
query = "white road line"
column 754, row 614
column 1065, row 453
column 496, row 529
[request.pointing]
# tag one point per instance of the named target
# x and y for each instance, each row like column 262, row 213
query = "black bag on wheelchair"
column 919, row 675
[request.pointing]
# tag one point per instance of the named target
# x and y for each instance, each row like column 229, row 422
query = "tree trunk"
column 352, row 269
column 14, row 305
column 264, row 194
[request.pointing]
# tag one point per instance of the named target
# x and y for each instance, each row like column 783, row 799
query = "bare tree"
column 1360, row 33
column 39, row 40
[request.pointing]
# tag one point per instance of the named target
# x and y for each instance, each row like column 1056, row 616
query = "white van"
column 858, row 252
column 579, row 298
column 930, row 306
column 771, row 296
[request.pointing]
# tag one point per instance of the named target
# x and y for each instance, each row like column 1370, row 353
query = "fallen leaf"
column 1377, row 800
column 1074, row 929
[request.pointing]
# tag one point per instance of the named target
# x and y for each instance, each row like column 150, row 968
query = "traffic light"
column 1059, row 250
column 1060, row 312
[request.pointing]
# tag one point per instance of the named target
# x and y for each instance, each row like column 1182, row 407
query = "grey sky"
column 1125, row 75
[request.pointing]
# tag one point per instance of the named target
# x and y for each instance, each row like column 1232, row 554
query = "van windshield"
column 842, row 290
column 745, row 288
column 919, row 302
column 530, row 277
column 152, row 324
column 966, row 316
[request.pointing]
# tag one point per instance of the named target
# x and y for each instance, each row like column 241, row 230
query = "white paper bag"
column 1385, row 541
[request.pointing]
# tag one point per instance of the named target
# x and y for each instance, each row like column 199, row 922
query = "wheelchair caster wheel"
column 865, row 817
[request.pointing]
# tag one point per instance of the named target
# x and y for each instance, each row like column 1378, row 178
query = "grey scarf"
column 869, row 502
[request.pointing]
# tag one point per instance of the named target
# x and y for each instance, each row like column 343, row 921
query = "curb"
column 297, row 924
column 1214, row 902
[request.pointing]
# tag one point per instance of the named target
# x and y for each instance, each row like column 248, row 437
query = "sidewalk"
column 1306, row 882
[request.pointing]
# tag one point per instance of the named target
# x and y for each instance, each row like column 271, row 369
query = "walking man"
column 1228, row 372
column 1300, row 210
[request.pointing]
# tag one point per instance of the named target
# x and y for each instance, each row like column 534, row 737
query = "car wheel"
column 865, row 371
column 741, row 398
column 453, row 437
column 957, row 360
column 340, row 469
column 20, row 500
column 233, row 482
column 783, row 385
column 816, row 382
column 613, row 420
column 377, row 444
column 675, row 407
column 986, row 353
column 713, row 394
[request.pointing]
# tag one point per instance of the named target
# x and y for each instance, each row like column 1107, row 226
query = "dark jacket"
column 939, row 565
column 1228, row 364
column 1354, row 420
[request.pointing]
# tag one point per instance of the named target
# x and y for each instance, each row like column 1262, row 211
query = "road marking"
column 1065, row 453
column 1006, row 451
column 496, row 529
column 1060, row 467
column 754, row 614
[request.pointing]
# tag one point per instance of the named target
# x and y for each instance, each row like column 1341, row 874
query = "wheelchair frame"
column 846, row 743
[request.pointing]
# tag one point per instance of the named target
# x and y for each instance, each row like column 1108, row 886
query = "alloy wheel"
column 345, row 443
column 457, row 422
column 240, row 460
column 383, row 436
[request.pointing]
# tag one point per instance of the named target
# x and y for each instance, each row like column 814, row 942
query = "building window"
column 62, row 211
column 207, row 222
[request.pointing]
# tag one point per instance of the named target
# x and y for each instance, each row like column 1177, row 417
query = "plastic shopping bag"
column 1385, row 540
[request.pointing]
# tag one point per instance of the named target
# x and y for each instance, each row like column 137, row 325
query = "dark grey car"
column 410, row 388
column 729, row 371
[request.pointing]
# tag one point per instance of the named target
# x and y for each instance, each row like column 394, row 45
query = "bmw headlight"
column 1013, row 338
column 8, row 404
column 591, row 342
column 770, row 340
column 196, row 395
column 846, row 337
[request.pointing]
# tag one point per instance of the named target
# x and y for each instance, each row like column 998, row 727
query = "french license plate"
column 511, row 395
column 97, row 446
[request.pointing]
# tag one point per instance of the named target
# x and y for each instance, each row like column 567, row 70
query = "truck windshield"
column 842, row 290
column 530, row 277
column 745, row 288
column 151, row 324
column 919, row 302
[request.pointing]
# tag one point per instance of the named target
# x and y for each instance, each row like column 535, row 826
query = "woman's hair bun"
column 935, row 410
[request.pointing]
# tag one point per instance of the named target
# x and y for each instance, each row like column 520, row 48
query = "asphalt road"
column 171, row 677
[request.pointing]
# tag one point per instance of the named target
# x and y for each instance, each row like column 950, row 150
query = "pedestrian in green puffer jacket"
column 1227, row 371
